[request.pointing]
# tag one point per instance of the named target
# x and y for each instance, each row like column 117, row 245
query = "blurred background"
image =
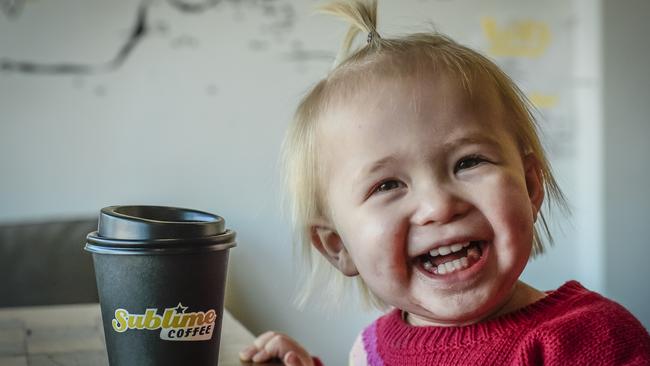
column 185, row 102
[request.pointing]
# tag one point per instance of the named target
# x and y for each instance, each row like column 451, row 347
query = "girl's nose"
column 438, row 205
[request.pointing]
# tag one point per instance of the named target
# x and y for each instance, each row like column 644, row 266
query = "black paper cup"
column 161, row 274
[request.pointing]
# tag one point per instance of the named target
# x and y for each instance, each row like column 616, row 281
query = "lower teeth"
column 473, row 255
column 452, row 266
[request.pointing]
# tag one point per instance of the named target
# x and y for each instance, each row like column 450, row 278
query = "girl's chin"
column 476, row 307
column 452, row 313
column 446, row 320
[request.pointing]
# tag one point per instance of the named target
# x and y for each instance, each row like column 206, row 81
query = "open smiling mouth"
column 452, row 258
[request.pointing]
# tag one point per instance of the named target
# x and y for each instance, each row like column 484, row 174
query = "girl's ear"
column 329, row 243
column 534, row 183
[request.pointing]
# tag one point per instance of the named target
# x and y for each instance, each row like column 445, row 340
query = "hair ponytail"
column 362, row 16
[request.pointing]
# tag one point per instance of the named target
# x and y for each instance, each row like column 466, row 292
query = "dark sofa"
column 43, row 263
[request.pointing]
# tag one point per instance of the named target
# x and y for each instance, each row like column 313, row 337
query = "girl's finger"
column 290, row 359
column 261, row 356
column 247, row 353
column 263, row 339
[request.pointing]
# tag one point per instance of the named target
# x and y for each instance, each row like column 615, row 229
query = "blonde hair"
column 384, row 58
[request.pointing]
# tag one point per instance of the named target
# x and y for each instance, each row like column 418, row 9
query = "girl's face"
column 431, row 201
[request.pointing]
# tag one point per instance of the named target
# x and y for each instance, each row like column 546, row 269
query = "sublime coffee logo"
column 174, row 324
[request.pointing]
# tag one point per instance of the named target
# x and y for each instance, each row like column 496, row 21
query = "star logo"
column 180, row 308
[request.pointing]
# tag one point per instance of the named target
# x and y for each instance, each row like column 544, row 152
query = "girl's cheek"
column 378, row 235
column 515, row 214
column 372, row 234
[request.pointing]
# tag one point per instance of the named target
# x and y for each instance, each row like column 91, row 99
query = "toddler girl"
column 415, row 166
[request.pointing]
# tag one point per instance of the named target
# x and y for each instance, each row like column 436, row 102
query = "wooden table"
column 73, row 335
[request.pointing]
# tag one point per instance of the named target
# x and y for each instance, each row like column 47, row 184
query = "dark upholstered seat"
column 44, row 263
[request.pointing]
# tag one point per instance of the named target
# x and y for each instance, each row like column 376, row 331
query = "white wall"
column 195, row 116
column 626, row 92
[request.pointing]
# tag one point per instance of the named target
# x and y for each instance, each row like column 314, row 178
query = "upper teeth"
column 444, row 250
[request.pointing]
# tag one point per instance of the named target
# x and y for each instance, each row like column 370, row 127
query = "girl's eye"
column 468, row 162
column 388, row 185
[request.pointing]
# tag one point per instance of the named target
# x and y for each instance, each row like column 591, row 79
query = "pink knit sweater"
column 570, row 326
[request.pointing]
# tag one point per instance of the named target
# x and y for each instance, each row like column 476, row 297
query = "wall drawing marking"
column 281, row 16
column 525, row 38
column 12, row 8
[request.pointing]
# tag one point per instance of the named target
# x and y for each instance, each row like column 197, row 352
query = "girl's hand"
column 276, row 345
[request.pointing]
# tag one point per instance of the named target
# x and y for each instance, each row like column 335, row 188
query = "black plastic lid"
column 147, row 229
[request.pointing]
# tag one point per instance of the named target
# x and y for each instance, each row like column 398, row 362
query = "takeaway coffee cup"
column 161, row 274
